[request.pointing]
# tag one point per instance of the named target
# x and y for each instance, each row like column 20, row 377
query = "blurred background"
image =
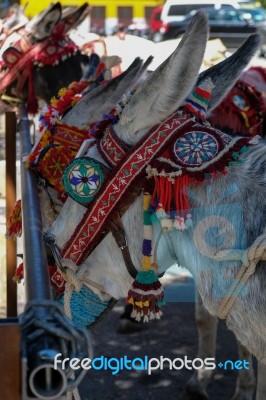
column 152, row 19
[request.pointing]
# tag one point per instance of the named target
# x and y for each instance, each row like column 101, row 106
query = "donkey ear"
column 73, row 18
column 225, row 74
column 43, row 25
column 103, row 98
column 166, row 88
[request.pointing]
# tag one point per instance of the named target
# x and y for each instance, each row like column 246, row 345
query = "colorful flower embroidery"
column 195, row 148
column 82, row 179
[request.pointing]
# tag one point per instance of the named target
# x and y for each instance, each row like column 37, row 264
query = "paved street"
column 174, row 336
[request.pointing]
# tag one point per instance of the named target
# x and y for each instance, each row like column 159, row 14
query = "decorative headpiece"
column 198, row 101
column 14, row 222
column 59, row 142
column 244, row 108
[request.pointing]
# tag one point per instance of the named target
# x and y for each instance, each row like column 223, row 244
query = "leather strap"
column 119, row 234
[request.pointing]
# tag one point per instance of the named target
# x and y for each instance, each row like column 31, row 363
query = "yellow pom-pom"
column 130, row 300
column 62, row 92
column 142, row 304
column 53, row 102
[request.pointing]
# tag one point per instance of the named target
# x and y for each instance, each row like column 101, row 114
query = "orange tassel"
column 14, row 223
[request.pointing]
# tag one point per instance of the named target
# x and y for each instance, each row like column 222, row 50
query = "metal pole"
column 35, row 259
column 37, row 353
column 46, row 331
column 11, row 245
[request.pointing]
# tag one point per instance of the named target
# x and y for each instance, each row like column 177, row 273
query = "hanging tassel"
column 14, row 223
column 147, row 296
column 164, row 192
column 19, row 274
column 146, row 293
column 173, row 206
column 182, row 213
column 165, row 220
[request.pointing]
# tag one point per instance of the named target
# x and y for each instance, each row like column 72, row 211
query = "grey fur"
column 91, row 107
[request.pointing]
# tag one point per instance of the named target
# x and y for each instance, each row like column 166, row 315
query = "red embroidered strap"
column 90, row 228
column 20, row 65
column 111, row 148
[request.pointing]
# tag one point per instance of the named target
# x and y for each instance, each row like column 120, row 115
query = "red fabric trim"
column 111, row 148
column 203, row 93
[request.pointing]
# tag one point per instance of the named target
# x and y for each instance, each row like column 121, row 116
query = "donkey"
column 44, row 80
column 154, row 102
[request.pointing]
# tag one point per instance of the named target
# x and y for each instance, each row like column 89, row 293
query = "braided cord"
column 250, row 258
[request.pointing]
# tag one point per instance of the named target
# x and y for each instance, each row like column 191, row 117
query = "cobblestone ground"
column 174, row 336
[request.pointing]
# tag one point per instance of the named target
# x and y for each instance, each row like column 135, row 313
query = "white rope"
column 73, row 393
column 73, row 277
column 249, row 258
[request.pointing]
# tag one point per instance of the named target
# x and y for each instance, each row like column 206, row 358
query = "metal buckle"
column 50, row 241
column 123, row 246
